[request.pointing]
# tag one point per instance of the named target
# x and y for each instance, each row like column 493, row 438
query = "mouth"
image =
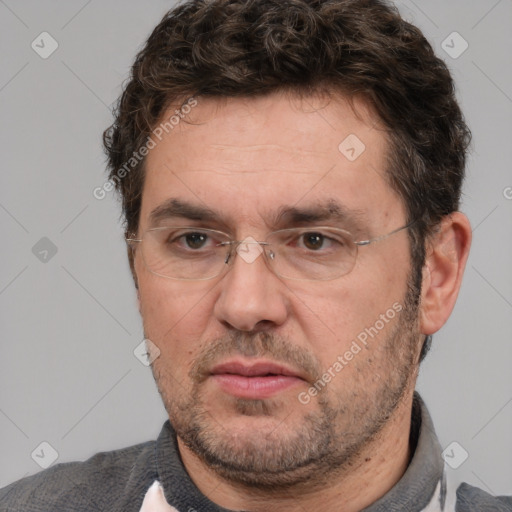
column 255, row 380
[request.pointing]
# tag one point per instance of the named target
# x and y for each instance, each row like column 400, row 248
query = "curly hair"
column 227, row 48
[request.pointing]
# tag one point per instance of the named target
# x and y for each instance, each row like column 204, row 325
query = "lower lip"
column 254, row 387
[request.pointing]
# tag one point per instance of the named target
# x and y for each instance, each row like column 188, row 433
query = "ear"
column 446, row 255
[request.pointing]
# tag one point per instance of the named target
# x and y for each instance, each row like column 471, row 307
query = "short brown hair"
column 223, row 48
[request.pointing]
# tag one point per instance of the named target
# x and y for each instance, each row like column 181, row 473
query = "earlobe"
column 446, row 255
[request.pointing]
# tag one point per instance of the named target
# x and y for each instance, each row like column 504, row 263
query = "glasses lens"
column 311, row 253
column 184, row 252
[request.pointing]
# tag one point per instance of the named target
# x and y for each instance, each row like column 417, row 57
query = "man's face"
column 240, row 353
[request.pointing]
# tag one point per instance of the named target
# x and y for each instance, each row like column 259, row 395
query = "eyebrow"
column 178, row 208
column 330, row 211
column 286, row 216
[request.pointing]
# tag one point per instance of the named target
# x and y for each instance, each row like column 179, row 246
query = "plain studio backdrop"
column 68, row 374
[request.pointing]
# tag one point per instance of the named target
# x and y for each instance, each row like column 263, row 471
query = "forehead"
column 249, row 156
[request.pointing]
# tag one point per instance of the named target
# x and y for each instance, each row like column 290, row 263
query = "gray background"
column 68, row 375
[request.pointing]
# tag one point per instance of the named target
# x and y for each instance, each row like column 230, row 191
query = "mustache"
column 252, row 345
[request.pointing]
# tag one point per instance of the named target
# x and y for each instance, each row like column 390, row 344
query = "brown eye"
column 195, row 240
column 313, row 241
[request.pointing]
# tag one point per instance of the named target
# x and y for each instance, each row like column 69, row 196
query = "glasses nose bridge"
column 254, row 249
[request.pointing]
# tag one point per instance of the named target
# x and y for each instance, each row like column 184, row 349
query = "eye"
column 188, row 240
column 194, row 240
column 314, row 241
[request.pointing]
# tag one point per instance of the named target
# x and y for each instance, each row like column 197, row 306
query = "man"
column 290, row 172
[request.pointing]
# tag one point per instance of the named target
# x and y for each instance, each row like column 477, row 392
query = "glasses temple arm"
column 382, row 237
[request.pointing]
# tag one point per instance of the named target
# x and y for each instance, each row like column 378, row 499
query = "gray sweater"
column 118, row 481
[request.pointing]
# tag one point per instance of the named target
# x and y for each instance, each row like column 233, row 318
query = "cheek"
column 344, row 311
column 174, row 317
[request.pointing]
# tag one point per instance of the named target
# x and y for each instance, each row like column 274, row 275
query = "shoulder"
column 80, row 486
column 473, row 499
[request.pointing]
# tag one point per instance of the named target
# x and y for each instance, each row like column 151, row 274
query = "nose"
column 251, row 296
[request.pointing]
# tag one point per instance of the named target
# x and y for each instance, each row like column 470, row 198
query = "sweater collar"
column 421, row 487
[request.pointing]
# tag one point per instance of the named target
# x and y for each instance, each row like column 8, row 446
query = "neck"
column 378, row 467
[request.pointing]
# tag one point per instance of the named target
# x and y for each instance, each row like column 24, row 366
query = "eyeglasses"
column 308, row 254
